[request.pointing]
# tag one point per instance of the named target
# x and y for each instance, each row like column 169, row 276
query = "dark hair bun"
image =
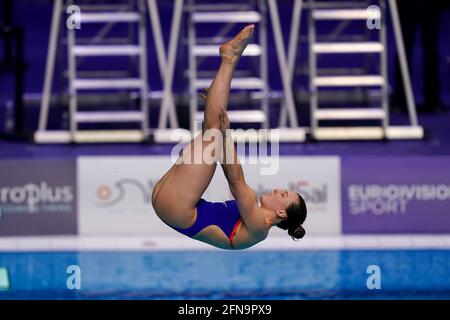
column 297, row 233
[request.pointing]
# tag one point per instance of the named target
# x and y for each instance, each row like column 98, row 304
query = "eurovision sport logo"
column 396, row 195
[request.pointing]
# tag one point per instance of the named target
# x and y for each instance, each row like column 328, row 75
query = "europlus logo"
column 393, row 198
column 34, row 198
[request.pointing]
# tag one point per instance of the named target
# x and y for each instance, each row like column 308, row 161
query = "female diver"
column 234, row 224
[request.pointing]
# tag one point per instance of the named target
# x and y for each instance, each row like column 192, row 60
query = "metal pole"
column 72, row 76
column 292, row 50
column 168, row 103
column 384, row 67
column 143, row 67
column 263, row 64
column 295, row 32
column 50, row 65
column 157, row 34
column 281, row 54
column 192, row 69
column 312, row 70
column 403, row 63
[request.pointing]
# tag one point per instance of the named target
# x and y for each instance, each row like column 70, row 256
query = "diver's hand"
column 224, row 121
column 204, row 94
column 227, row 154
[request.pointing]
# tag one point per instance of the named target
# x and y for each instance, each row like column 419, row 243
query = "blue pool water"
column 337, row 274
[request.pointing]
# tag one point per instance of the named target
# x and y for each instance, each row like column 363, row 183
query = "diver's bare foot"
column 232, row 50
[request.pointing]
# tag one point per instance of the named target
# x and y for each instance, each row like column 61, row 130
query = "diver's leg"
column 176, row 195
column 218, row 93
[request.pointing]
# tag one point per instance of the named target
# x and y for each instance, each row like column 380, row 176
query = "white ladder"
column 228, row 15
column 133, row 15
column 338, row 50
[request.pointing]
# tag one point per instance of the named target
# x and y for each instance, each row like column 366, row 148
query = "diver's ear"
column 281, row 214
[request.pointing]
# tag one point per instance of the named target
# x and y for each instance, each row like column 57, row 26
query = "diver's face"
column 278, row 199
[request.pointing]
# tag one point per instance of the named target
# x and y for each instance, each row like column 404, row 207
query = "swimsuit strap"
column 233, row 233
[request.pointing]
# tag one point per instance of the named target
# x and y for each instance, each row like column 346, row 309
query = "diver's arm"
column 230, row 163
column 244, row 195
column 229, row 159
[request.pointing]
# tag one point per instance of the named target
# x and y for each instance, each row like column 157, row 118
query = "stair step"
column 348, row 47
column 368, row 133
column 104, row 7
column 89, row 136
column 106, row 50
column 345, row 14
column 123, row 116
column 112, row 136
column 109, row 17
column 240, row 116
column 348, row 81
column 107, row 41
column 99, row 74
column 92, row 84
column 213, row 50
column 227, row 16
column 349, row 114
column 211, row 6
column 236, row 83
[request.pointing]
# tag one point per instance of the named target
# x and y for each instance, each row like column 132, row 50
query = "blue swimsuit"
column 225, row 215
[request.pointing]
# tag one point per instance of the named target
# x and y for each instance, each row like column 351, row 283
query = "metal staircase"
column 340, row 51
column 343, row 13
column 229, row 16
column 101, row 17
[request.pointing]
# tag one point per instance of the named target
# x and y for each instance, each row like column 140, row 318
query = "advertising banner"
column 115, row 195
column 38, row 197
column 115, row 192
column 396, row 194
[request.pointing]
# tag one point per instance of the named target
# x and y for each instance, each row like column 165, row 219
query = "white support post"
column 292, row 50
column 312, row 72
column 50, row 65
column 72, row 76
column 384, row 67
column 168, row 104
column 168, row 100
column 143, row 71
column 193, row 98
column 403, row 63
column 263, row 69
column 281, row 54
